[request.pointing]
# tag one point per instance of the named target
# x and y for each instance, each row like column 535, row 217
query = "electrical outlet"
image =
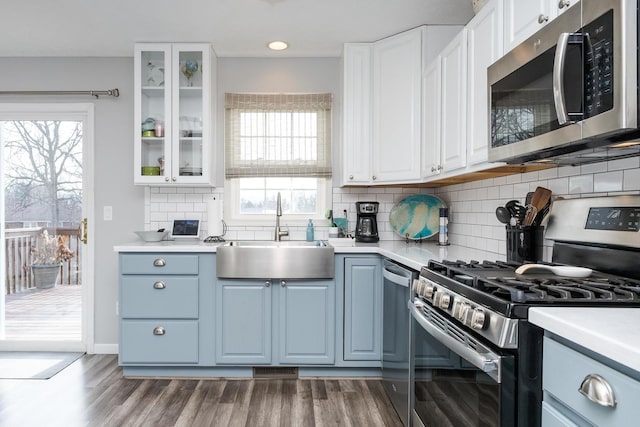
column 108, row 213
column 117, row 308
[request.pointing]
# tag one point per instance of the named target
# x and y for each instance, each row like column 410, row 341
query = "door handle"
column 82, row 231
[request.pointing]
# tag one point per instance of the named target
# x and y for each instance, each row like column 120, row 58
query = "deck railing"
column 18, row 257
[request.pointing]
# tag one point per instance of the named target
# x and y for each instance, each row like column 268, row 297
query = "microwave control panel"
column 598, row 56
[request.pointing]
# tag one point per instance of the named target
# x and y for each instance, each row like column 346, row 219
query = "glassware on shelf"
column 188, row 69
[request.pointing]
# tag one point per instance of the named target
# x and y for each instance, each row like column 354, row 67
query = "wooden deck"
column 53, row 314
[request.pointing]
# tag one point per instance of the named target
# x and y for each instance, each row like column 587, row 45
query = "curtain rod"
column 113, row 92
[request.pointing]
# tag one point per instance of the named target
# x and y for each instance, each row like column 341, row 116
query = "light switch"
column 108, row 213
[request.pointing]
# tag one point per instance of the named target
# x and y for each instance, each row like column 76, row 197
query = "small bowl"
column 151, row 236
column 150, row 170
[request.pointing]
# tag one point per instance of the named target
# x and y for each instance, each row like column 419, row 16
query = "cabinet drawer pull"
column 267, row 283
column 159, row 285
column 159, row 262
column 597, row 389
column 158, row 330
column 283, row 283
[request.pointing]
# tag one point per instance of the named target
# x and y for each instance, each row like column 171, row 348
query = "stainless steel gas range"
column 475, row 359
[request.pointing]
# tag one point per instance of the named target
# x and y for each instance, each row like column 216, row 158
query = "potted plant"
column 48, row 253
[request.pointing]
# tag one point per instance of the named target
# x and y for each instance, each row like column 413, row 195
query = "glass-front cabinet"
column 174, row 114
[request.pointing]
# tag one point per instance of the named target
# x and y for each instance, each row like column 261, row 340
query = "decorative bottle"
column 443, row 232
column 310, row 236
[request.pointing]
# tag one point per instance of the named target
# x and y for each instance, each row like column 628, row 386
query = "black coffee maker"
column 366, row 225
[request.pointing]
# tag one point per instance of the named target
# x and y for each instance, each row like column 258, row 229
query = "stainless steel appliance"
column 395, row 335
column 475, row 358
column 366, row 224
column 570, row 92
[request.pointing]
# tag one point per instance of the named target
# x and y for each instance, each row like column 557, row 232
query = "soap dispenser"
column 310, row 231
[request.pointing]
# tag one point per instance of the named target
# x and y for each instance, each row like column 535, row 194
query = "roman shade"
column 277, row 135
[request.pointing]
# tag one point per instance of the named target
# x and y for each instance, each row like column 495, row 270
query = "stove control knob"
column 463, row 312
column 457, row 309
column 444, row 302
column 428, row 290
column 478, row 319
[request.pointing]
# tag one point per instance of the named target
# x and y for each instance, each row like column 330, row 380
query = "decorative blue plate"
column 416, row 217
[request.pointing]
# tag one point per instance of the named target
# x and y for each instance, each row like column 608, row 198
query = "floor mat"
column 35, row 365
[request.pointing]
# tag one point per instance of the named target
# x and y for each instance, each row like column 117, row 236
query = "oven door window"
column 523, row 104
column 449, row 391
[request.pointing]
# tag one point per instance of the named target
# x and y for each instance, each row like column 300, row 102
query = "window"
column 277, row 144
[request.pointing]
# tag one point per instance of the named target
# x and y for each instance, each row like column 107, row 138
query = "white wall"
column 113, row 158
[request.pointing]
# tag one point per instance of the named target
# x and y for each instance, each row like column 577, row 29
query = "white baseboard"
column 105, row 348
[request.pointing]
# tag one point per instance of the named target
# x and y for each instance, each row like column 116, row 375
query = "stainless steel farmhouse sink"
column 274, row 260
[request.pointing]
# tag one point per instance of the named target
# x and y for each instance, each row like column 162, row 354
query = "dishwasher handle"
column 398, row 279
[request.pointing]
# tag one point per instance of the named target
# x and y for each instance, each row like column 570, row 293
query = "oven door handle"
column 489, row 363
column 558, row 78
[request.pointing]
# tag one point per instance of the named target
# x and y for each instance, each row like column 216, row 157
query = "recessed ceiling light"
column 278, row 45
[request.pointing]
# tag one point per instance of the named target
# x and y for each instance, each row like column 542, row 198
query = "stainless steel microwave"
column 569, row 93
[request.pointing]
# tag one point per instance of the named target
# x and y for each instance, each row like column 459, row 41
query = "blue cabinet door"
column 243, row 322
column 362, row 309
column 306, row 322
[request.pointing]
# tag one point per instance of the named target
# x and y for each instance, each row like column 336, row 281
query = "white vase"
column 45, row 275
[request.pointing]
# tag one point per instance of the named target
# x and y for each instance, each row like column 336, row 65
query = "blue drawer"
column 148, row 297
column 142, row 341
column 161, row 263
column 563, row 371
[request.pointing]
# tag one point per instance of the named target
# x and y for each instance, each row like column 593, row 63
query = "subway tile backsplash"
column 472, row 220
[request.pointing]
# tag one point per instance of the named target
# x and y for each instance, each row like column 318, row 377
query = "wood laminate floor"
column 93, row 392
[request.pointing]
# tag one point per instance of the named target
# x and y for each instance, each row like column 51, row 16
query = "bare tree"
column 43, row 164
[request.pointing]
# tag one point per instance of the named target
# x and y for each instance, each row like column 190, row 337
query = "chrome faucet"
column 279, row 232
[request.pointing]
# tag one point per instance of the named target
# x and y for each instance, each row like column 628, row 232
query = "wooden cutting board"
column 539, row 200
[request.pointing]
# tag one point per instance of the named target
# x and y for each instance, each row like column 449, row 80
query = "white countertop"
column 611, row 332
column 413, row 254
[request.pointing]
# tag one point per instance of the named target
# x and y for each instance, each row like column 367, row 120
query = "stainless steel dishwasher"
column 395, row 336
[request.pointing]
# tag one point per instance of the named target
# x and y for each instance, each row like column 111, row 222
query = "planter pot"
column 45, row 275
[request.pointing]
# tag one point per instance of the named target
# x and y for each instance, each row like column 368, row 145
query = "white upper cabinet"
column 454, row 104
column 484, row 47
column 382, row 122
column 357, row 114
column 432, row 118
column 173, row 121
column 522, row 18
column 397, row 73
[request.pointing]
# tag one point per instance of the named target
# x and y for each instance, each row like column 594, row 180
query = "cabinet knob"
column 564, row 3
column 542, row 18
column 166, row 179
column 439, row 167
column 158, row 330
column 374, row 177
column 159, row 285
column 283, row 283
column 597, row 389
column 350, row 176
column 159, row 262
column 173, row 178
column 267, row 283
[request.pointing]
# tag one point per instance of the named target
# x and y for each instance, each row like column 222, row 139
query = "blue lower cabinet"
column 307, row 322
column 298, row 316
column 362, row 308
column 159, row 341
column 243, row 322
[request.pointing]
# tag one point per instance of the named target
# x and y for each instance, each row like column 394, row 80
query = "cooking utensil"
column 516, row 210
column 503, row 215
column 560, row 270
column 527, row 199
column 539, row 200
